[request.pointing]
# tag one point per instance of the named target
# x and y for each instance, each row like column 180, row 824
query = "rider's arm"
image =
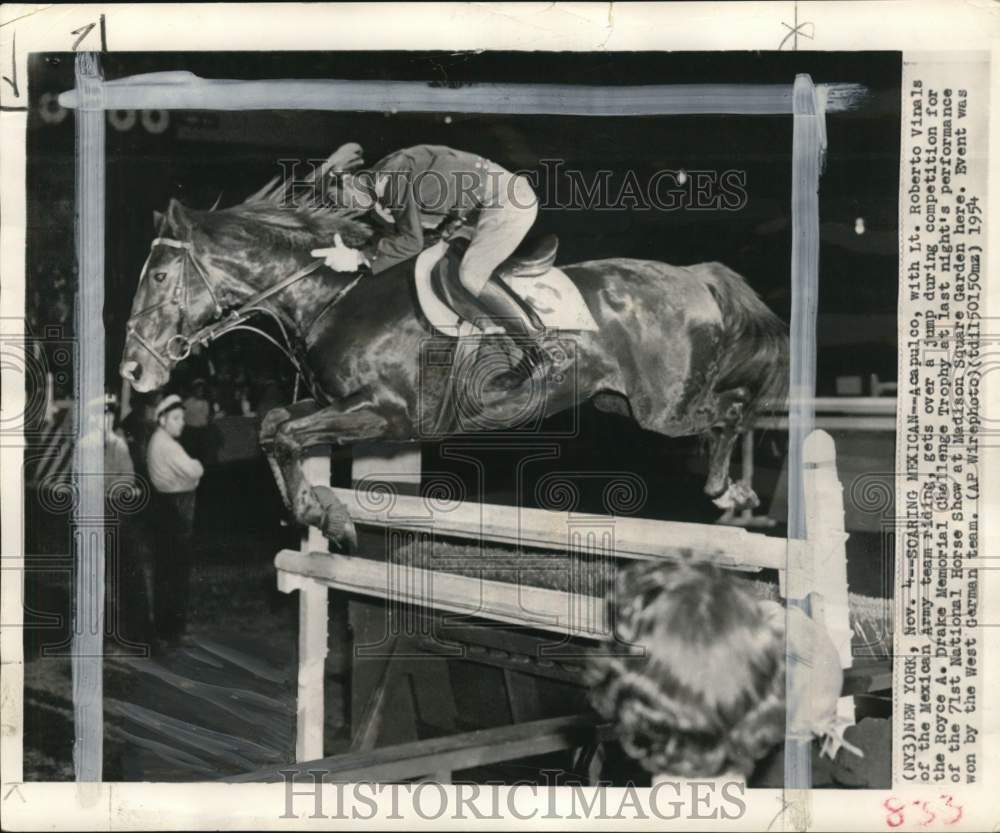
column 407, row 240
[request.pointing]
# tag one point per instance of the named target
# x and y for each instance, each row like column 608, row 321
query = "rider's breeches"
column 508, row 212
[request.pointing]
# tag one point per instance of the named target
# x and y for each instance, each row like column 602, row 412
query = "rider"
column 426, row 187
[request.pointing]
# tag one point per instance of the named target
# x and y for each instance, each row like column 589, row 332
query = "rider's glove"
column 341, row 258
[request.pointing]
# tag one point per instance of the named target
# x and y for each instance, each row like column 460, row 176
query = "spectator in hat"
column 174, row 476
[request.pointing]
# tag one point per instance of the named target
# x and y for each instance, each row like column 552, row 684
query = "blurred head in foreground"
column 696, row 685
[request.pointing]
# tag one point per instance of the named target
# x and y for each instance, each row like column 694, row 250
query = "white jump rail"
column 819, row 572
column 546, row 529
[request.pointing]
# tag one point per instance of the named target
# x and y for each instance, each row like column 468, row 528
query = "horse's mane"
column 294, row 227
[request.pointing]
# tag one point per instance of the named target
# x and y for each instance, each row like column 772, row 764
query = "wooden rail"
column 832, row 413
column 565, row 531
column 513, row 604
column 440, row 757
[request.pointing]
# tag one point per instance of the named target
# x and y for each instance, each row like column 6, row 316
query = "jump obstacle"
column 816, row 569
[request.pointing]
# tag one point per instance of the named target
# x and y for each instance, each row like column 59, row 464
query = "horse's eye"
column 159, row 276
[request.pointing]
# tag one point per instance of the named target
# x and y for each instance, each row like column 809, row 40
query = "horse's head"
column 174, row 299
column 203, row 263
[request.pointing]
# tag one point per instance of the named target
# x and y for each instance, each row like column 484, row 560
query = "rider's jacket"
column 418, row 188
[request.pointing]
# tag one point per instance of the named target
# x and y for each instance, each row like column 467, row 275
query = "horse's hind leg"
column 316, row 505
column 722, row 438
column 724, row 422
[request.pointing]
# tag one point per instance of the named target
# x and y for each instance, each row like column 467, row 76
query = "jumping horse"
column 684, row 351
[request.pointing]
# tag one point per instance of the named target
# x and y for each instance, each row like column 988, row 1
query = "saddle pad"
column 553, row 296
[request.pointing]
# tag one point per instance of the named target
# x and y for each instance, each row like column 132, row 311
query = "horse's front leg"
column 269, row 430
column 316, row 505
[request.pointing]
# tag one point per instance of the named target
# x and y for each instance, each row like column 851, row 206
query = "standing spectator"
column 175, row 477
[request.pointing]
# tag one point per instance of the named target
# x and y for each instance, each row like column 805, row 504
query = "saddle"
column 535, row 256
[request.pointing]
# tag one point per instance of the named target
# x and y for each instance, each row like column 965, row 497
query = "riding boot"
column 520, row 321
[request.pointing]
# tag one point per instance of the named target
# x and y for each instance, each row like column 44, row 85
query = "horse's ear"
column 178, row 219
column 157, row 220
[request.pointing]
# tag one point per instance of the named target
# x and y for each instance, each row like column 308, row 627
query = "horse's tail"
column 755, row 348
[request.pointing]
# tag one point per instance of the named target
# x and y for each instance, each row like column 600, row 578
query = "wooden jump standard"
column 817, row 570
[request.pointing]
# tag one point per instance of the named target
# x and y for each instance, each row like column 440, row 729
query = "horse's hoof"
column 738, row 496
column 336, row 523
column 342, row 536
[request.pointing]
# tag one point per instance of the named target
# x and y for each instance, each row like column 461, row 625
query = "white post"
column 312, row 666
column 401, row 467
column 824, row 498
column 313, row 628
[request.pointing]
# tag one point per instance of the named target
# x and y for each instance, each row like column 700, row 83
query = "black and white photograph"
column 482, row 417
column 548, row 340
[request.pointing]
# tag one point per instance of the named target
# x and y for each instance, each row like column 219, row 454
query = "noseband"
column 179, row 346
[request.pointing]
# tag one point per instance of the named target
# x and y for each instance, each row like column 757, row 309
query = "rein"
column 179, row 346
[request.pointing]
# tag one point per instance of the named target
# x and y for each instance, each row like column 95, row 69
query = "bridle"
column 179, row 346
